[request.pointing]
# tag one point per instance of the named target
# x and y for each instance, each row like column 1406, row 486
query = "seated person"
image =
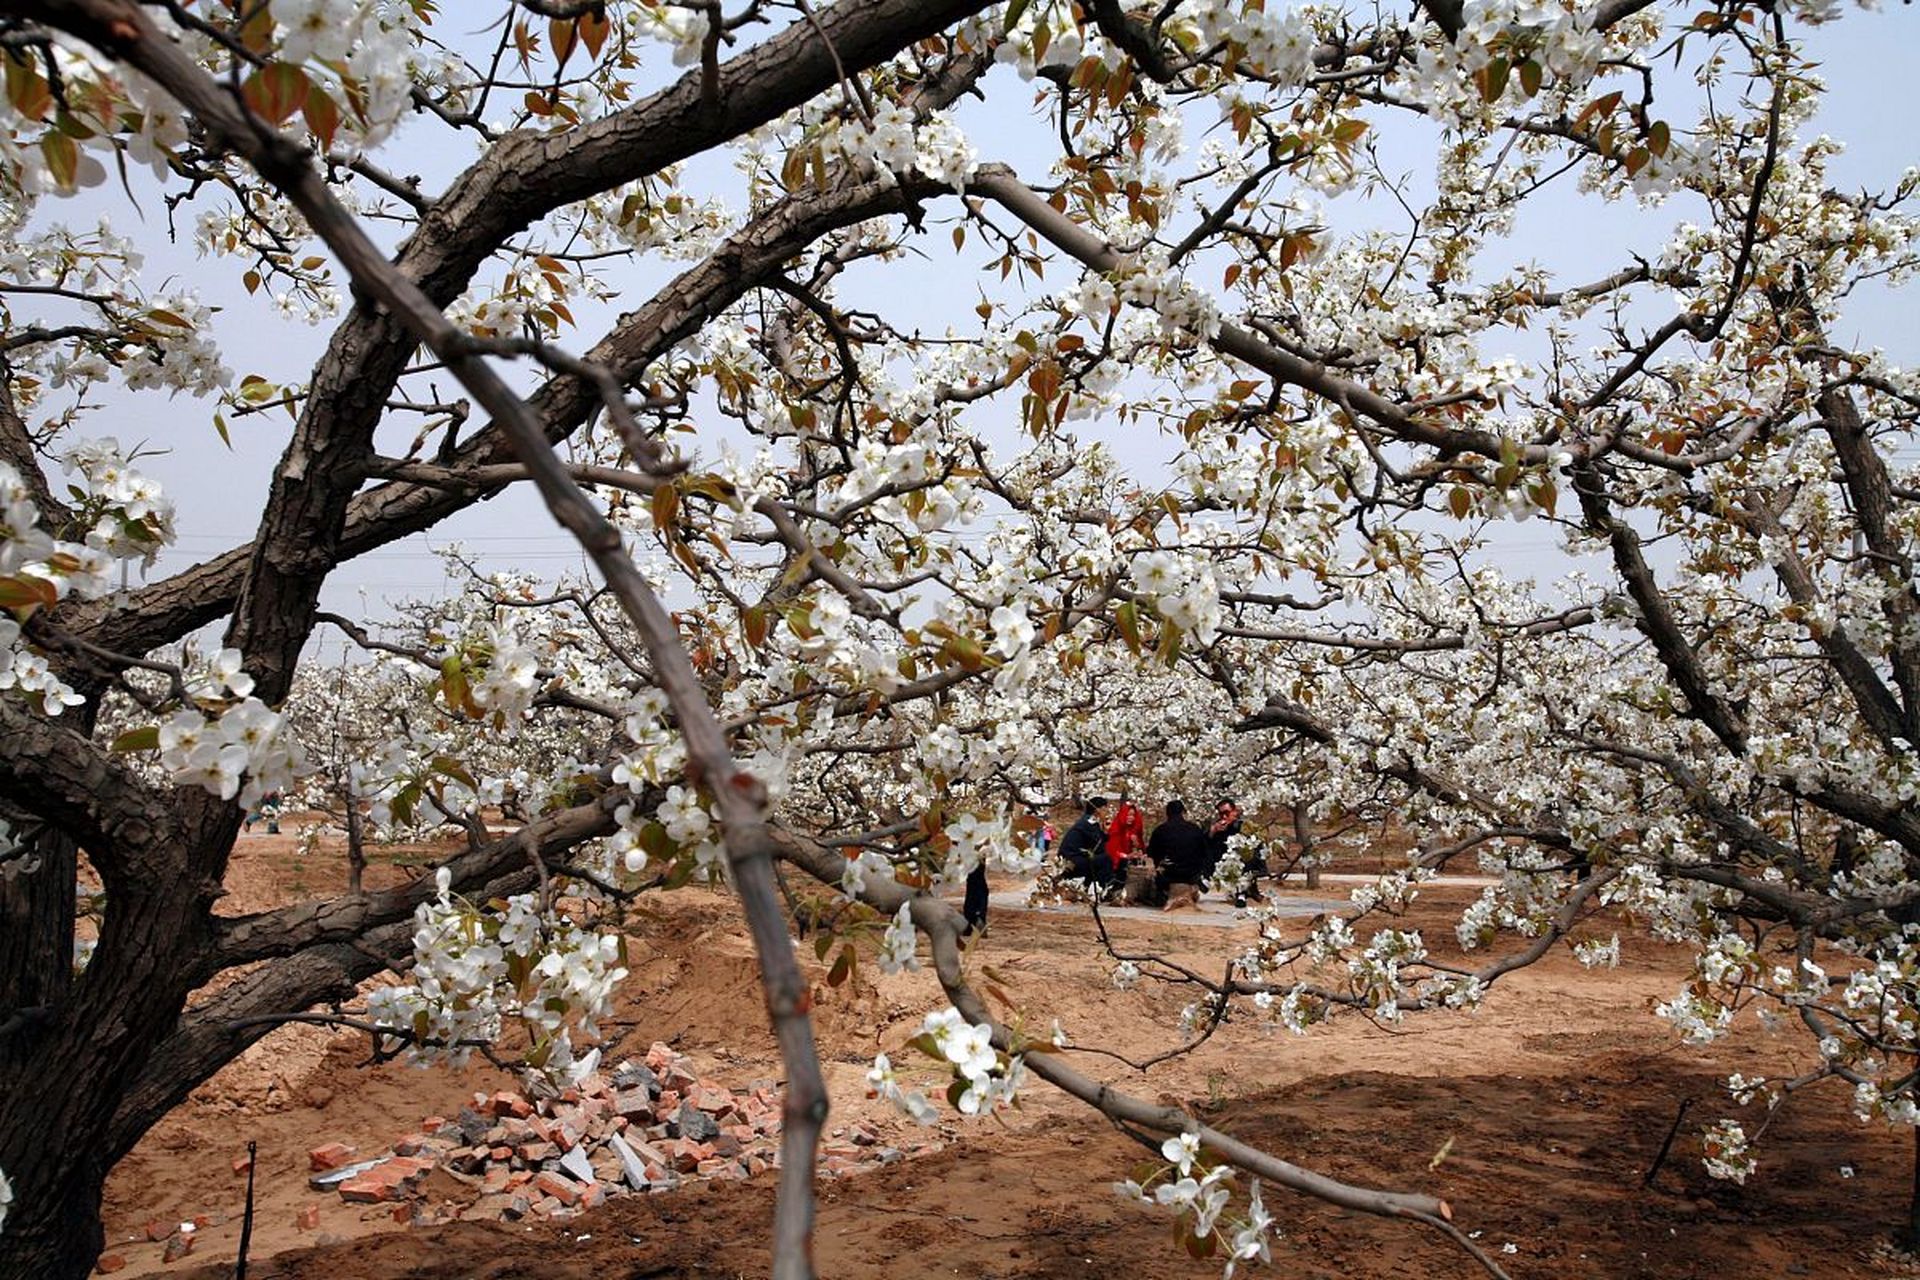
column 1178, row 849
column 1083, row 850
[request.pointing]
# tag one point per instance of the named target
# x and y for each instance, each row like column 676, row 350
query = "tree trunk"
column 1303, row 836
column 356, row 843
column 62, row 1077
column 1910, row 1238
column 53, row 1228
column 36, row 940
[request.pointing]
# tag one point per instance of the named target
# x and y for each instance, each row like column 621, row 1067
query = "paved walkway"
column 1214, row 912
column 1211, row 913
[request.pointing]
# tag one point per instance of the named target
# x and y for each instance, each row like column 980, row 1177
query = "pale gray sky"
column 1871, row 64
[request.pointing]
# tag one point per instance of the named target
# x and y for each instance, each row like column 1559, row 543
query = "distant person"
column 1084, row 848
column 1179, row 852
column 268, row 811
column 1126, row 838
column 974, row 907
column 1220, row 834
column 1042, row 833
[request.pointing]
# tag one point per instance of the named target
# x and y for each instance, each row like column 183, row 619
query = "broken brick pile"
column 645, row 1127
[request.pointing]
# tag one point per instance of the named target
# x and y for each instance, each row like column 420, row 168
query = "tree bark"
column 1303, row 836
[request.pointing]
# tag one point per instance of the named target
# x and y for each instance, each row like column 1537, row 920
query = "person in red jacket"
column 1126, row 837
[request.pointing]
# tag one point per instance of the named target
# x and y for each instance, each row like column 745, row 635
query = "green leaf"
column 276, row 91
column 1015, row 10
column 323, row 117
column 447, row 766
column 1493, row 79
column 657, row 843
column 403, row 804
column 27, row 89
column 754, row 621
column 62, row 158
column 147, row 739
column 453, row 683
column 1128, row 616
column 24, row 591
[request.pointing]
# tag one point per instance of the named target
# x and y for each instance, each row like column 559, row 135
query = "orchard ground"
column 1537, row 1117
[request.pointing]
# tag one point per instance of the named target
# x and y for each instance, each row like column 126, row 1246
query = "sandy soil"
column 1536, row 1117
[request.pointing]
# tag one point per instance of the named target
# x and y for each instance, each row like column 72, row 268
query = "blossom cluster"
column 1184, row 591
column 120, row 516
column 1199, row 1192
column 982, row 1080
column 226, row 741
column 474, row 970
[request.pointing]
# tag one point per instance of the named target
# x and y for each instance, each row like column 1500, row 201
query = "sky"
column 1870, row 60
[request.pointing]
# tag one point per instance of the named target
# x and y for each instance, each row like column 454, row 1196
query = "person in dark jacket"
column 974, row 908
column 1083, row 850
column 1226, row 825
column 1178, row 850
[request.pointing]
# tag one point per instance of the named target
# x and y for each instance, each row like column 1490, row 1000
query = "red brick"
column 157, row 1231
column 410, row 1144
column 387, row 1175
column 500, row 1153
column 242, row 1164
column 557, row 1185
column 403, row 1213
column 687, row 1154
column 330, row 1156
column 109, row 1263
column 433, row 1124
column 308, row 1218
column 511, row 1104
column 178, row 1246
column 365, row 1191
